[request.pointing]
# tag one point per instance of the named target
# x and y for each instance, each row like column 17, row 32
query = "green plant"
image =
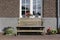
column 9, row 31
column 53, row 31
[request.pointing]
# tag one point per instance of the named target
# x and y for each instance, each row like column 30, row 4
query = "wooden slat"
column 30, row 30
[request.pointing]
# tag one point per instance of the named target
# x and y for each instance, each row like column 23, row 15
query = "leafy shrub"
column 9, row 31
column 53, row 31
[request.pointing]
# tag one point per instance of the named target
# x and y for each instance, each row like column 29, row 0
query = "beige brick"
column 9, row 8
column 49, row 8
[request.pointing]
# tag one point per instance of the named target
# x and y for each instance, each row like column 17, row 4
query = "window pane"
column 23, row 2
column 28, row 5
column 27, row 2
column 34, row 7
column 25, row 7
column 34, row 1
column 37, row 4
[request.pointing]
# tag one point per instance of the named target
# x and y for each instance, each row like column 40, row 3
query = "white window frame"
column 20, row 13
column 31, row 8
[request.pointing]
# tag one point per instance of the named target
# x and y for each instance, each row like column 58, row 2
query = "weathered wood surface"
column 29, row 22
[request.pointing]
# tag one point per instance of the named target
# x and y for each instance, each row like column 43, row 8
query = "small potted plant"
column 49, row 31
column 9, row 31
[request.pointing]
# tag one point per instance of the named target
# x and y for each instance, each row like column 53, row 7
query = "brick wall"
column 49, row 8
column 9, row 8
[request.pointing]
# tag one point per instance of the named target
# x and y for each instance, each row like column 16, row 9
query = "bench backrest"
column 32, row 22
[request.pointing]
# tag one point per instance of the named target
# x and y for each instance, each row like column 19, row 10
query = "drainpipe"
column 57, row 13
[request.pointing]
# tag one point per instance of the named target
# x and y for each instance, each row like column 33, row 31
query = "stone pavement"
column 30, row 37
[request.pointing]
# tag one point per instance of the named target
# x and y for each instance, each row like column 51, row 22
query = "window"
column 30, row 8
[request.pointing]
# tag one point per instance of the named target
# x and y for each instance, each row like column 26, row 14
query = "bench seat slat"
column 30, row 30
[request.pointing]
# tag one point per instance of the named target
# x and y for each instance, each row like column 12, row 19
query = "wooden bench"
column 30, row 30
column 30, row 26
